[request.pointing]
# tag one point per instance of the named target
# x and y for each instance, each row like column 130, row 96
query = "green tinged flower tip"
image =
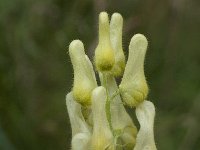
column 116, row 25
column 133, row 87
column 84, row 78
column 104, row 53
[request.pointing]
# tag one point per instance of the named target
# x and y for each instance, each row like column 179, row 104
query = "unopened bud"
column 102, row 137
column 84, row 79
column 116, row 25
column 104, row 54
column 133, row 87
column 145, row 113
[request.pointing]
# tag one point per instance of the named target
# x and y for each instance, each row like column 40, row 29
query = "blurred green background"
column 36, row 73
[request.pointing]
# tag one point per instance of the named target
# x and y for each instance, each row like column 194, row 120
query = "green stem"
column 107, row 106
column 108, row 103
column 114, row 95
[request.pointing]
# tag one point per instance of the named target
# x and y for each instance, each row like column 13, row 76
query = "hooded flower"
column 98, row 118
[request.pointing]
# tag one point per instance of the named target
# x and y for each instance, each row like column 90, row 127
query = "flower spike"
column 133, row 87
column 98, row 118
column 84, row 78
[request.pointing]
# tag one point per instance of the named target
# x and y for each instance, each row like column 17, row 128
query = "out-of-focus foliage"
column 35, row 72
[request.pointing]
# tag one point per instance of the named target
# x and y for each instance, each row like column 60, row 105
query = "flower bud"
column 116, row 25
column 104, row 54
column 133, row 87
column 80, row 131
column 84, row 78
column 102, row 137
column 145, row 113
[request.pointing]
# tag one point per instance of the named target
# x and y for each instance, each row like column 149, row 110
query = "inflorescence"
column 97, row 115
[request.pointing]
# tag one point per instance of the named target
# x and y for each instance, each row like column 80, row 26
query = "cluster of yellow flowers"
column 97, row 115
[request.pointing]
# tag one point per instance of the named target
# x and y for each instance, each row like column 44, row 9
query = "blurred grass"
column 36, row 74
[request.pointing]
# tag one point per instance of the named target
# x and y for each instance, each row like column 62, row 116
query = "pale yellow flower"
column 98, row 118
